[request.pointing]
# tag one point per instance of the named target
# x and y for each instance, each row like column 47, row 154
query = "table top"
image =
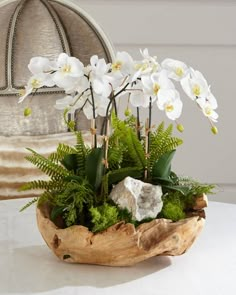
column 27, row 266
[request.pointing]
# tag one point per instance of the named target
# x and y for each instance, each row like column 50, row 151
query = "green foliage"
column 82, row 152
column 195, row 187
column 103, row 216
column 42, row 184
column 73, row 199
column 162, row 167
column 80, row 183
column 162, row 142
column 62, row 151
column 173, row 211
column 55, row 171
column 94, row 167
column 133, row 153
column 27, row 205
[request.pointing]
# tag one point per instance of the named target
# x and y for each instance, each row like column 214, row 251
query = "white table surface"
column 27, row 266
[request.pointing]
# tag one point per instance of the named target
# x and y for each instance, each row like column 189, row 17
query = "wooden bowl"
column 121, row 244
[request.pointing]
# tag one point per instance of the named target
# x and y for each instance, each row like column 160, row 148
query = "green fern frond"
column 162, row 142
column 55, row 171
column 74, row 197
column 42, row 184
column 62, row 151
column 29, row 204
column 46, row 197
column 81, row 151
column 134, row 153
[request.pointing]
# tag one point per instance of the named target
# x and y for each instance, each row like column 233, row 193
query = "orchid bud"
column 27, row 112
column 180, row 127
column 214, row 130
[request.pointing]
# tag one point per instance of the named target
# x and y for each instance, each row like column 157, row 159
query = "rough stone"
column 142, row 199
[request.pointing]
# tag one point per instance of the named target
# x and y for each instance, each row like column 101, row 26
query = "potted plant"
column 117, row 201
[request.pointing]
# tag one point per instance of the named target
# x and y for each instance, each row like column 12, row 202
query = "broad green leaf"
column 70, row 162
column 94, row 167
column 119, row 174
column 182, row 189
column 162, row 167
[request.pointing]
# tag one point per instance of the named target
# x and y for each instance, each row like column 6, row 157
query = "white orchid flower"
column 24, row 93
column 69, row 69
column 101, row 104
column 35, row 82
column 137, row 97
column 176, row 69
column 148, row 65
column 208, row 105
column 79, row 85
column 169, row 101
column 154, row 82
column 194, row 85
column 39, row 65
column 98, row 76
column 123, row 64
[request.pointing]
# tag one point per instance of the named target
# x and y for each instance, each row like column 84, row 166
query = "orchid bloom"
column 194, row 85
column 148, row 65
column 176, row 69
column 35, row 82
column 98, row 76
column 123, row 64
column 69, row 69
column 169, row 101
column 93, row 87
column 152, row 84
column 101, row 104
column 137, row 97
column 208, row 105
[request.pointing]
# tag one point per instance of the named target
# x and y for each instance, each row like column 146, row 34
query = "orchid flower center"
column 35, row 83
column 116, row 66
column 141, row 67
column 196, row 90
column 169, row 107
column 208, row 111
column 156, row 88
column 179, row 72
column 66, row 69
column 22, row 92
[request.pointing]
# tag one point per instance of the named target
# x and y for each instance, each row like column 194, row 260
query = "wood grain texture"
column 130, row 245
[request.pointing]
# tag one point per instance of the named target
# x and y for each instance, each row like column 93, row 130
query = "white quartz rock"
column 142, row 199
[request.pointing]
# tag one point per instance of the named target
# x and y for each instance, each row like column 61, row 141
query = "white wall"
column 203, row 34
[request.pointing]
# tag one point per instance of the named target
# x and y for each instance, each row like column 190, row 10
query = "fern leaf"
column 162, row 142
column 55, row 171
column 81, row 152
column 62, row 151
column 28, row 204
column 41, row 184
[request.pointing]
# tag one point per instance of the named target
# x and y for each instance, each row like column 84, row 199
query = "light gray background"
column 203, row 34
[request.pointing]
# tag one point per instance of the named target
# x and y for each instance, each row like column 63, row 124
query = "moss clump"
column 103, row 216
column 173, row 211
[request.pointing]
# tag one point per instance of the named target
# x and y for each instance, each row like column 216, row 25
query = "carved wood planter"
column 121, row 244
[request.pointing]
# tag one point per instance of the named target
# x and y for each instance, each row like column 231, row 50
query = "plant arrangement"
column 125, row 174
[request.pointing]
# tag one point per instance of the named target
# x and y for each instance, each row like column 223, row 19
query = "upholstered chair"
column 38, row 28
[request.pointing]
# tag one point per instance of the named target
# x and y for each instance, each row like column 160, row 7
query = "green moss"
column 103, row 216
column 173, row 211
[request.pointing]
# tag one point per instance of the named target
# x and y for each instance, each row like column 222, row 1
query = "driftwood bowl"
column 121, row 244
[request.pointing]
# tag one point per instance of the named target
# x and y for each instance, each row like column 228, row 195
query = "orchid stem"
column 149, row 123
column 93, row 121
column 147, row 137
column 138, row 124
